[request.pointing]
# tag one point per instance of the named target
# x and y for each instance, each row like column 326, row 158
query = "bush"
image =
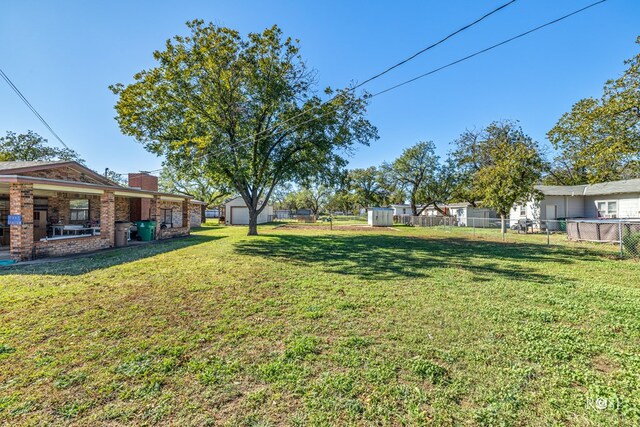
column 631, row 243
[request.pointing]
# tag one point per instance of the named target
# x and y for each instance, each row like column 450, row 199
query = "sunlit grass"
column 319, row 327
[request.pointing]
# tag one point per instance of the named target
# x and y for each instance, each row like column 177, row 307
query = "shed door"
column 239, row 215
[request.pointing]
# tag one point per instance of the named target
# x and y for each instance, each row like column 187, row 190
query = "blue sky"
column 63, row 55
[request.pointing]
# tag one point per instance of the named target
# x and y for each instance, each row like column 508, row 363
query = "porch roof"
column 50, row 184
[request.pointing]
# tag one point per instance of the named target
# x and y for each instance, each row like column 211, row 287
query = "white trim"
column 172, row 199
column 132, row 194
column 66, row 189
column 607, row 201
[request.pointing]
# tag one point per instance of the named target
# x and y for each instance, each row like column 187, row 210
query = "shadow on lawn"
column 104, row 259
column 388, row 257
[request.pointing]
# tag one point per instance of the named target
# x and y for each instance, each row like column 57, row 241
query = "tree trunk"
column 253, row 223
column 503, row 223
column 439, row 209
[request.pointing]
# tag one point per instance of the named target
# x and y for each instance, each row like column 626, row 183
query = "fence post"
column 548, row 242
column 620, row 238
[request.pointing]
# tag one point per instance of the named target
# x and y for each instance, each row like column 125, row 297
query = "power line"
column 31, row 107
column 398, row 64
column 387, row 70
column 240, row 143
column 489, row 48
column 433, row 45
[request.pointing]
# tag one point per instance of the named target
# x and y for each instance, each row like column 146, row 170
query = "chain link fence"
column 621, row 237
column 624, row 233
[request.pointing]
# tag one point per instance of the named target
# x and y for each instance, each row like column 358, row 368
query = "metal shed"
column 380, row 217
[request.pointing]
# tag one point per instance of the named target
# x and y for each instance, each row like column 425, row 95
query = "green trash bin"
column 563, row 224
column 146, row 230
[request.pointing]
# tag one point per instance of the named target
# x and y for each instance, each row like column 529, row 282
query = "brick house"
column 62, row 207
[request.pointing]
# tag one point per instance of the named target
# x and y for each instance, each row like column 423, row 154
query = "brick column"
column 154, row 215
column 21, row 203
column 108, row 216
column 186, row 213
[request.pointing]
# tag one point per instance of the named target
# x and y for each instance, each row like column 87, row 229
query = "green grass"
column 314, row 327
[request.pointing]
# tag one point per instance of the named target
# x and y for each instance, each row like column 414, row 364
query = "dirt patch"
column 335, row 227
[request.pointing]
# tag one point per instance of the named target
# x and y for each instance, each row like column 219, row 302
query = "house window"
column 523, row 210
column 167, row 217
column 79, row 210
column 607, row 209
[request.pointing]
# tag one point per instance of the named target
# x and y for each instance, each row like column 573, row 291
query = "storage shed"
column 237, row 212
column 380, row 217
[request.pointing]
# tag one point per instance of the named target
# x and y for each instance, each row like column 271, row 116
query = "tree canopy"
column 502, row 166
column 419, row 174
column 366, row 186
column 246, row 109
column 32, row 147
column 599, row 139
column 194, row 183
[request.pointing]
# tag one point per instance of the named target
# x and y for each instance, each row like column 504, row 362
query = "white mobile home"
column 237, row 212
column 616, row 199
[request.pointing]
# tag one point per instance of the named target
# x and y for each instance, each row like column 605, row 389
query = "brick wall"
column 122, row 209
column 169, row 233
column 58, row 210
column 76, row 245
column 143, row 181
column 176, row 212
column 64, row 173
column 195, row 214
column 21, row 236
column 107, row 217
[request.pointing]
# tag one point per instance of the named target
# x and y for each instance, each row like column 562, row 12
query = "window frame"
column 164, row 216
column 74, row 212
column 606, row 212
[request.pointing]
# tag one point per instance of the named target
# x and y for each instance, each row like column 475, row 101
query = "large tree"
column 599, row 139
column 366, row 186
column 419, row 173
column 195, row 183
column 32, row 147
column 314, row 197
column 246, row 109
column 505, row 164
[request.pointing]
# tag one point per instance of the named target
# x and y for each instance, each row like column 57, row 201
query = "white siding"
column 629, row 207
column 575, row 207
column 532, row 212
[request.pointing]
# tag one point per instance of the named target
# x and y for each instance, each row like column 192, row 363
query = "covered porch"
column 44, row 219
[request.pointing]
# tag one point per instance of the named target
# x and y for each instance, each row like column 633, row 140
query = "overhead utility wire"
column 440, row 68
column 31, row 107
column 432, row 46
column 404, row 61
column 489, row 48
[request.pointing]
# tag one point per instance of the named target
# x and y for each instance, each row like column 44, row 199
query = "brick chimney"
column 143, row 181
column 140, row 209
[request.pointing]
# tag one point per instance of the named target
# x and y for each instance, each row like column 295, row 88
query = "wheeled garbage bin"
column 122, row 233
column 146, row 230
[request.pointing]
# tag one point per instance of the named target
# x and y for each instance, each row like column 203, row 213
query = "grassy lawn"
column 316, row 327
